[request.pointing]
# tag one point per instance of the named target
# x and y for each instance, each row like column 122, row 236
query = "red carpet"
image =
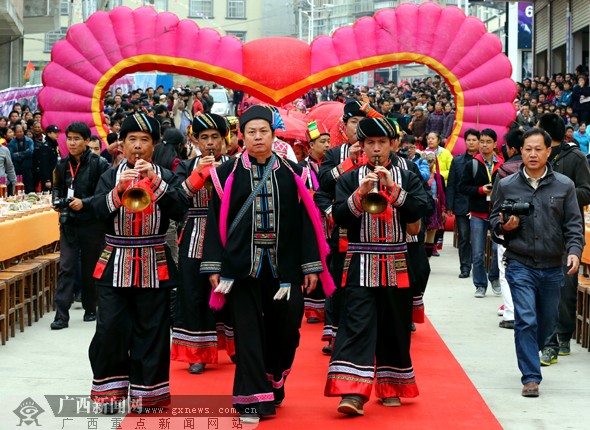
column 448, row 399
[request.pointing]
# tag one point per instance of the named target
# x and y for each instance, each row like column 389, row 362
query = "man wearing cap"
column 373, row 341
column 336, row 162
column 198, row 333
column 130, row 351
column 45, row 157
column 319, row 142
column 260, row 263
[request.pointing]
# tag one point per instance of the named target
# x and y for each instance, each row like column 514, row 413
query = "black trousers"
column 266, row 338
column 195, row 323
column 131, row 346
column 566, row 318
column 373, row 342
column 464, row 235
column 333, row 304
column 78, row 244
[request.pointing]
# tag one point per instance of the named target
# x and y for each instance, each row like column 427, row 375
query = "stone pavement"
column 42, row 362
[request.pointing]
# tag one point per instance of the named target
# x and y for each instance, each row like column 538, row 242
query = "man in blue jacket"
column 458, row 203
column 21, row 151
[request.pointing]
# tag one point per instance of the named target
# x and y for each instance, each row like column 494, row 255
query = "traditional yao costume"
column 198, row 332
column 263, row 235
column 373, row 340
column 130, row 351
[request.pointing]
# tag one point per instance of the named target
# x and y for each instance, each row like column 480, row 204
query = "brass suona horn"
column 374, row 202
column 208, row 181
column 135, row 199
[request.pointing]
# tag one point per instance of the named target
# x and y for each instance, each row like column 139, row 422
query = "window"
column 200, row 8
column 159, row 5
column 64, row 6
column 52, row 37
column 239, row 34
column 236, row 9
column 114, row 3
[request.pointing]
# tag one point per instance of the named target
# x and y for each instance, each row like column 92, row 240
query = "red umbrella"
column 328, row 113
column 295, row 128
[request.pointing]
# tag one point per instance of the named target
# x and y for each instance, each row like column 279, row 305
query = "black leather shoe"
column 413, row 326
column 509, row 324
column 327, row 349
column 313, row 320
column 464, row 275
column 196, row 368
column 89, row 316
column 59, row 324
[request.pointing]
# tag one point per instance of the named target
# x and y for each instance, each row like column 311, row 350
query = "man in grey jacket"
column 6, row 167
column 535, row 247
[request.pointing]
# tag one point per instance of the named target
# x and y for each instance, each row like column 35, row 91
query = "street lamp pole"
column 311, row 4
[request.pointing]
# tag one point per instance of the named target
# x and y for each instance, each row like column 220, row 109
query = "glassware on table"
column 3, row 188
column 19, row 187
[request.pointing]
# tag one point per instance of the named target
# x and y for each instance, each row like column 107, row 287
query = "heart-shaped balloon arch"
column 279, row 69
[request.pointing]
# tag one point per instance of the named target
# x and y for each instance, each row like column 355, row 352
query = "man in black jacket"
column 458, row 203
column 45, row 158
column 535, row 246
column 567, row 159
column 81, row 237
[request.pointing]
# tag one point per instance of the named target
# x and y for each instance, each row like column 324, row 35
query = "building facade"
column 561, row 38
column 245, row 19
column 18, row 18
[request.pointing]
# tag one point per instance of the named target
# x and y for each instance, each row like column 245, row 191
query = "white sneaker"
column 501, row 311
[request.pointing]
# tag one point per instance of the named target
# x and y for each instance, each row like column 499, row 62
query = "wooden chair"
column 45, row 295
column 581, row 333
column 53, row 260
column 32, row 286
column 3, row 312
column 15, row 300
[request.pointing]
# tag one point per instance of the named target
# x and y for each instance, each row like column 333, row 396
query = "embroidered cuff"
column 159, row 187
column 398, row 197
column 354, row 204
column 113, row 200
column 193, row 183
column 210, row 266
column 313, row 267
column 347, row 165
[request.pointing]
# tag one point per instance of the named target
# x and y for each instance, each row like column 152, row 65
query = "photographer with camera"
column 81, row 237
column 537, row 213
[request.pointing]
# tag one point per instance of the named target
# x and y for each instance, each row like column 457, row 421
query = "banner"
column 525, row 25
column 25, row 96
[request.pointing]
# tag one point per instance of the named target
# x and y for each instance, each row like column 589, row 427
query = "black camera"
column 404, row 152
column 63, row 205
column 512, row 207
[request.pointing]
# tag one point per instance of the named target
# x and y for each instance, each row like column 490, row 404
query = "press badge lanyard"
column 489, row 170
column 73, row 173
